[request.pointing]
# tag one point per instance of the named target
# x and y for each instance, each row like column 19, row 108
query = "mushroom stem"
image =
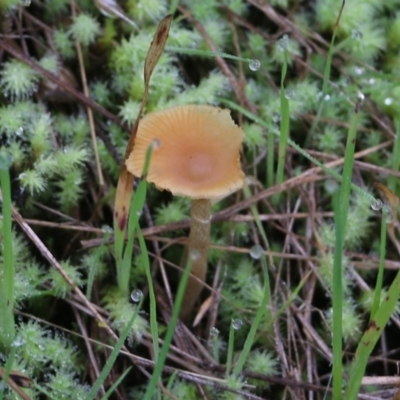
column 197, row 250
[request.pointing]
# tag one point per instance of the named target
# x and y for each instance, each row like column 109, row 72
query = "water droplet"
column 194, row 255
column 256, row 251
column 331, row 186
column 136, row 295
column 254, row 65
column 372, row 81
column 356, row 34
column 377, row 205
column 107, row 229
column 19, row 131
column 360, row 96
column 276, row 117
column 283, row 43
column 18, row 342
column 289, row 94
column 359, row 70
column 139, row 213
column 155, row 144
column 388, row 101
column 214, row 331
column 237, row 324
column 327, row 97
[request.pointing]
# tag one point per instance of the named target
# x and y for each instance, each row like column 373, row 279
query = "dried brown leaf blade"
column 389, row 198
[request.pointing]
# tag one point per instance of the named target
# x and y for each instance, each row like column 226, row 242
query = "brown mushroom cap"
column 197, row 153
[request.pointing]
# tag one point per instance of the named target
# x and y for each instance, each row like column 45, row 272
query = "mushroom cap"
column 196, row 153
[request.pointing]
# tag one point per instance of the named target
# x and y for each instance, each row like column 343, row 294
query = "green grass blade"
column 379, row 279
column 393, row 180
column 137, row 203
column 285, row 122
column 116, row 384
column 327, row 74
column 341, row 211
column 93, row 267
column 153, row 304
column 208, row 53
column 7, row 326
column 170, row 332
column 270, row 158
column 257, row 320
column 114, row 354
column 7, row 369
column 370, row 338
column 230, row 349
column 337, row 302
column 171, row 381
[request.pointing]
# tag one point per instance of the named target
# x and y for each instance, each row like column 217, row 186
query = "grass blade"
column 114, row 354
column 7, row 327
column 379, row 278
column 257, row 320
column 285, row 122
column 170, row 332
column 341, row 212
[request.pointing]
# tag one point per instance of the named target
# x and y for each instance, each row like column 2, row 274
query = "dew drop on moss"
column 214, row 332
column 254, row 65
column 356, row 34
column 376, row 205
column 289, row 94
column 136, row 295
column 237, row 324
column 256, row 252
column 283, row 43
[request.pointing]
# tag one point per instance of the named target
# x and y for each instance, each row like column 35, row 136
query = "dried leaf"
column 205, row 306
column 389, row 198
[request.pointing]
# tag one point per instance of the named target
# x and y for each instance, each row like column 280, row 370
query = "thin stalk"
column 327, row 74
column 136, row 207
column 208, row 53
column 270, row 159
column 152, row 296
column 285, row 122
column 393, row 180
column 257, row 320
column 170, row 332
column 116, row 384
column 93, row 268
column 230, row 349
column 337, row 304
column 7, row 270
column 341, row 211
column 7, row 369
column 198, row 245
column 371, row 336
column 379, row 279
column 114, row 354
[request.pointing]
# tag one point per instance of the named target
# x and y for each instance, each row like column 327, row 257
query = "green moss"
column 18, row 80
column 85, row 29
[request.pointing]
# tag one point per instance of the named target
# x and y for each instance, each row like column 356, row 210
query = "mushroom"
column 197, row 156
